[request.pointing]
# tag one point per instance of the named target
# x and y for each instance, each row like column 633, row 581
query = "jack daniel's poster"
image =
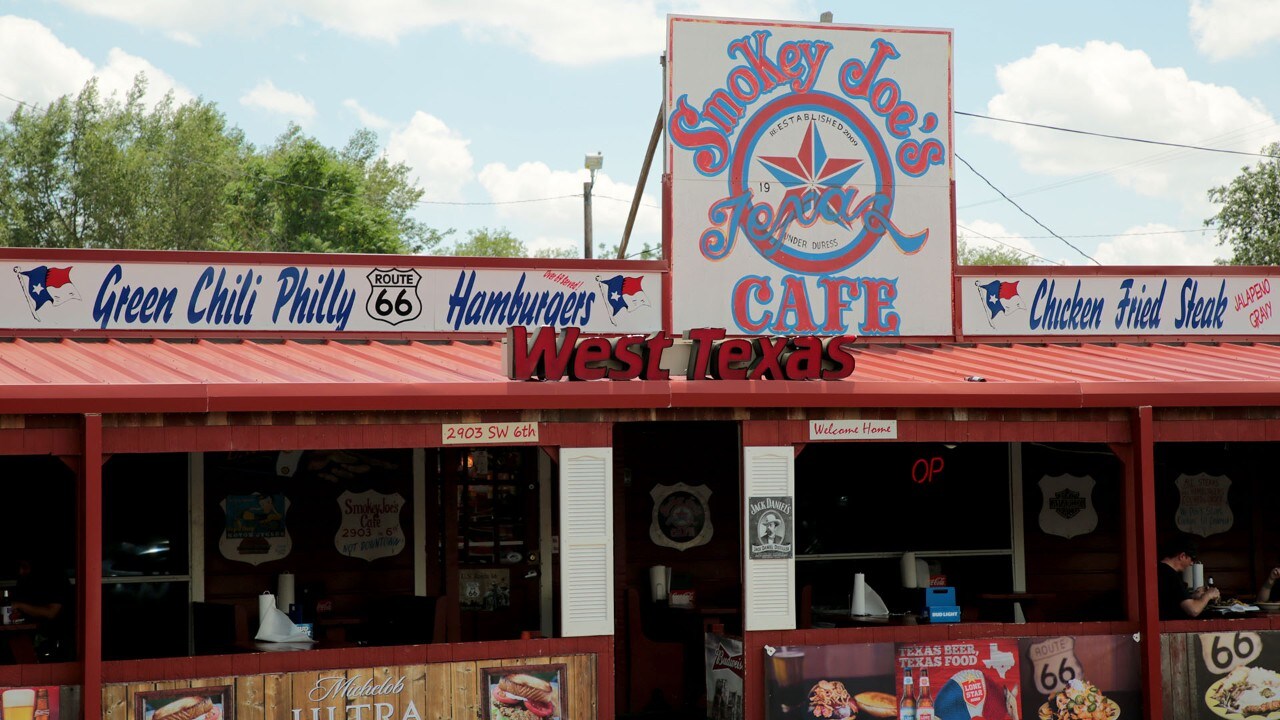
column 770, row 524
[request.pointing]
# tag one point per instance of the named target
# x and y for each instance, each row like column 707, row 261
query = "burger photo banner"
column 811, row 173
column 524, row 693
column 206, row 703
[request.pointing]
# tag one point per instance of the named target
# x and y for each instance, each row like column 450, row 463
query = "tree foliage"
column 488, row 242
column 1249, row 217
column 101, row 172
column 967, row 254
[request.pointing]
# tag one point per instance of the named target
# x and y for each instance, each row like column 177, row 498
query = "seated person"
column 1176, row 601
column 42, row 596
column 1264, row 592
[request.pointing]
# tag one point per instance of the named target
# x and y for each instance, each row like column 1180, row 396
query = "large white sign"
column 811, row 177
column 1117, row 305
column 72, row 295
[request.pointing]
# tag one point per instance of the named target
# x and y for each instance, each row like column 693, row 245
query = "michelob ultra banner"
column 811, row 169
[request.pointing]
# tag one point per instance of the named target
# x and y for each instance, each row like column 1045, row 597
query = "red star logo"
column 809, row 172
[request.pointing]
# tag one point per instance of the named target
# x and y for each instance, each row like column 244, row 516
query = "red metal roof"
column 68, row 375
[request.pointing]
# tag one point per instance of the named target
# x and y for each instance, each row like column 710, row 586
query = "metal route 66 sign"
column 393, row 295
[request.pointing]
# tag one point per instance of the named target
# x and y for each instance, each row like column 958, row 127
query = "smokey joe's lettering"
column 551, row 356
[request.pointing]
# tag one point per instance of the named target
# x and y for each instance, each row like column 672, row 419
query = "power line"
column 1116, row 137
column 1024, row 212
column 1100, row 235
column 1015, row 249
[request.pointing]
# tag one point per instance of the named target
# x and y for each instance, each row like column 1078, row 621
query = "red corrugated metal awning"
column 68, row 375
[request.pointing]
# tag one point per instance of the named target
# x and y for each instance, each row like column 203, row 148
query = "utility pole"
column 593, row 162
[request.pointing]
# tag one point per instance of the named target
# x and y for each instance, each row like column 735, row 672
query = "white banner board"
column 1117, row 305
column 73, row 295
column 811, row 169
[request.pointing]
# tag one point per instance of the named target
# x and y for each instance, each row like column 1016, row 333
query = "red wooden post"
column 89, row 567
column 1144, row 474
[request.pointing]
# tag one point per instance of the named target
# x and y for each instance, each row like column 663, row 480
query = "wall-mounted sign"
column 370, row 526
column 811, row 174
column 853, row 429
column 254, row 530
column 1068, row 508
column 509, row 433
column 681, row 516
column 1117, row 305
column 1202, row 504
column 78, row 295
column 484, row 589
column 704, row 354
column 772, row 526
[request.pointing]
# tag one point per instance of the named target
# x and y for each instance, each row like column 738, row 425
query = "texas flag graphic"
column 623, row 293
column 46, row 285
column 998, row 297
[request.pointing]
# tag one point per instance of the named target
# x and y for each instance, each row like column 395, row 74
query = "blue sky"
column 495, row 101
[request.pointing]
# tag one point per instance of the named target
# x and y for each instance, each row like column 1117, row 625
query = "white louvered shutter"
column 770, row 584
column 586, row 541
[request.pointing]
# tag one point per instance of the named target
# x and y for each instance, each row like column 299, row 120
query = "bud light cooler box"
column 940, row 605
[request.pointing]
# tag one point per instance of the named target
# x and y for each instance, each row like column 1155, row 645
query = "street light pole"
column 593, row 162
column 586, row 218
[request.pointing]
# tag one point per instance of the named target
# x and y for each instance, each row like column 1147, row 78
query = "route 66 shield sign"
column 393, row 295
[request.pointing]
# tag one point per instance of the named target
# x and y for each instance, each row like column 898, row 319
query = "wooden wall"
column 1083, row 576
column 313, row 519
column 439, row 691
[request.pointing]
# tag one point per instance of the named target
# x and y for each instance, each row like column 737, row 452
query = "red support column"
column 89, row 567
column 1143, row 456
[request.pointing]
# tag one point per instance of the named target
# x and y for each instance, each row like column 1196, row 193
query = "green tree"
column 645, row 252
column 106, row 172
column 1249, row 219
column 488, row 242
column 967, row 254
column 90, row 171
column 301, row 196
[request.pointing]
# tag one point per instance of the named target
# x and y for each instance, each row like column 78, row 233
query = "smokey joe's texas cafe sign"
column 811, row 172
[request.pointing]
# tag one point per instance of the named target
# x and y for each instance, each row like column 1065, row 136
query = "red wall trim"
column 89, row 570
column 786, row 432
column 41, row 441
column 215, row 438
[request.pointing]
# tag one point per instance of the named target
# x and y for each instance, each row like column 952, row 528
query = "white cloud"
column 1104, row 87
column 36, row 67
column 1159, row 244
column 367, row 119
column 440, row 157
column 1226, row 29
column 558, row 223
column 267, row 96
column 570, row 32
column 121, row 68
column 185, row 20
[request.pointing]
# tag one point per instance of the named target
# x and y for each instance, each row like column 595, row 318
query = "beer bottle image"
column 42, row 704
column 907, row 704
column 924, row 701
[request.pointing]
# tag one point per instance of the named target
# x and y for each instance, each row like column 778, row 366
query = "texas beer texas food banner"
column 71, row 295
column 811, row 177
